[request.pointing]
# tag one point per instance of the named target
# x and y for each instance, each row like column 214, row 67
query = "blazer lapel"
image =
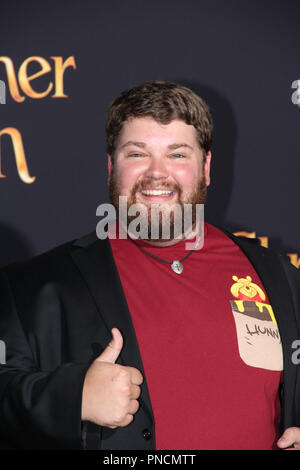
column 94, row 259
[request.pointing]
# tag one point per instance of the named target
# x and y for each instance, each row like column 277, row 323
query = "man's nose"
column 157, row 168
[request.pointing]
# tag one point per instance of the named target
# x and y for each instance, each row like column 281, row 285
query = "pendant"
column 177, row 267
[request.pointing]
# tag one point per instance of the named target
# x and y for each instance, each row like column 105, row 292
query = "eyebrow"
column 143, row 145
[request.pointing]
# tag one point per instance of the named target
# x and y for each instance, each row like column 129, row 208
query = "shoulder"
column 251, row 243
column 49, row 264
column 252, row 248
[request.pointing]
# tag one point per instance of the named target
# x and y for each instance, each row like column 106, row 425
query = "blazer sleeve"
column 38, row 409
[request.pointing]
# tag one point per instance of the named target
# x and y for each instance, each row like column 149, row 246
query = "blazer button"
column 147, row 434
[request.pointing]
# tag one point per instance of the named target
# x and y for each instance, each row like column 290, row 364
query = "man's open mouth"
column 157, row 193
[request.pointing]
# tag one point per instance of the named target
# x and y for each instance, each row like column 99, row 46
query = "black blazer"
column 56, row 313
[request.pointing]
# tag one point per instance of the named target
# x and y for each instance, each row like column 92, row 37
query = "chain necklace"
column 176, row 265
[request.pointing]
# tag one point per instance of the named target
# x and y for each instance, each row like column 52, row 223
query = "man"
column 139, row 343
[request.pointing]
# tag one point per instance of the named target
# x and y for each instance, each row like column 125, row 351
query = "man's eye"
column 177, row 155
column 135, row 155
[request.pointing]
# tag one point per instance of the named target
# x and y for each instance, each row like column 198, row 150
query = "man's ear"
column 109, row 167
column 207, row 168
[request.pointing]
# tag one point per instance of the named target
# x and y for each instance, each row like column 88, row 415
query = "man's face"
column 152, row 156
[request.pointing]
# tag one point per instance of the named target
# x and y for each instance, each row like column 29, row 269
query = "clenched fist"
column 110, row 391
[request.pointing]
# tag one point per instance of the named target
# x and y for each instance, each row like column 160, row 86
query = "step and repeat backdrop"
column 63, row 62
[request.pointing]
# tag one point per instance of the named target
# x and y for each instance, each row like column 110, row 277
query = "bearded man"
column 141, row 340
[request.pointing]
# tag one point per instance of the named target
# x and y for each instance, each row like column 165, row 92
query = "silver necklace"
column 176, row 265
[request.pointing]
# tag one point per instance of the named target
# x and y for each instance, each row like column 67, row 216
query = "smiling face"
column 157, row 163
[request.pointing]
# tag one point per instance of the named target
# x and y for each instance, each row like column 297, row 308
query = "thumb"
column 112, row 351
column 288, row 438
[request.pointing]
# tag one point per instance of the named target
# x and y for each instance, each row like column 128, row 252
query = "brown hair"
column 164, row 102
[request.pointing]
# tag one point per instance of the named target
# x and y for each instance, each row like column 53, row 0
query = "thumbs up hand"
column 110, row 391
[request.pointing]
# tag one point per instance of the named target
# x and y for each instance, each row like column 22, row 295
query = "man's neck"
column 187, row 235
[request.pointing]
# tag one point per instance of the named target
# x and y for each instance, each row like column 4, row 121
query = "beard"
column 154, row 220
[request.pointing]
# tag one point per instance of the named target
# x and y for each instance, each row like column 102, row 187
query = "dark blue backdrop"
column 242, row 56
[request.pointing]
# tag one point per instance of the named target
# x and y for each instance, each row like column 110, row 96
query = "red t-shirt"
column 209, row 343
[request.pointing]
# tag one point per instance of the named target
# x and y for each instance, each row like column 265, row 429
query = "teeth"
column 156, row 192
